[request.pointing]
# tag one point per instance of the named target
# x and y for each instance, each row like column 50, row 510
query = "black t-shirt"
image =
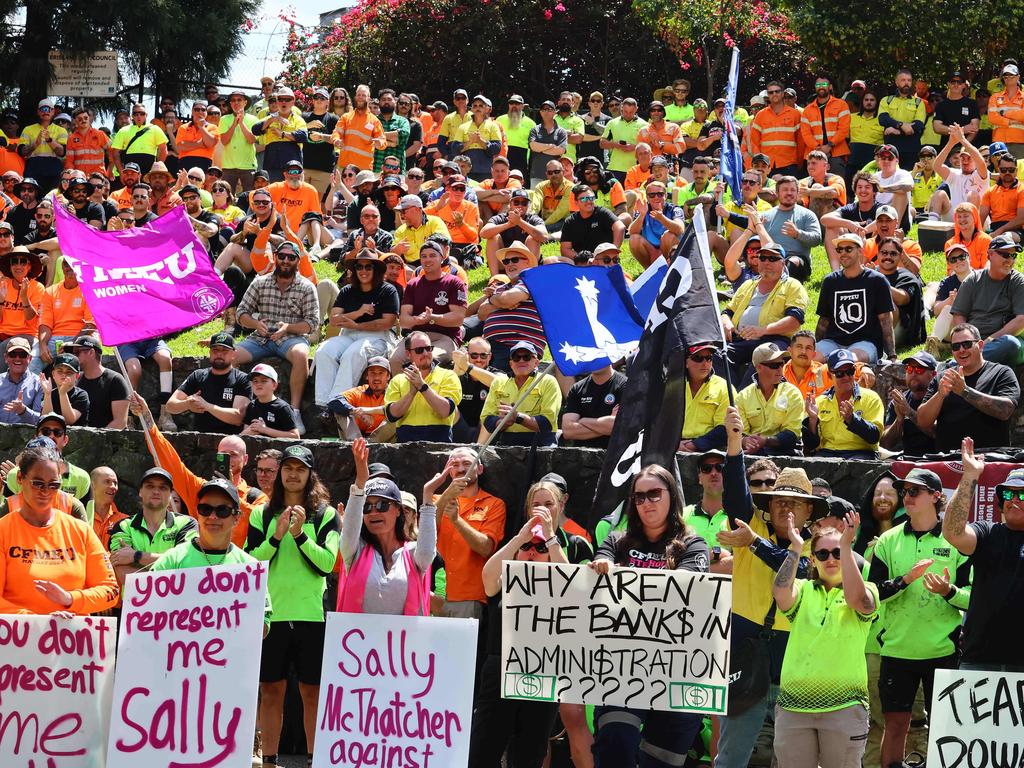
column 415, row 132
column 473, row 396
column 695, row 555
column 24, row 221
column 218, row 389
column 591, row 400
column 276, row 414
column 586, row 234
column 356, row 207
column 959, row 111
column 852, row 212
column 911, row 313
column 103, row 391
column 959, row 419
column 915, row 442
column 109, row 209
column 250, row 240
column 510, row 235
column 35, row 236
column 949, row 284
column 91, row 212
column 79, row 401
column 145, row 218
column 320, row 155
column 853, row 306
column 384, row 298
column 995, row 617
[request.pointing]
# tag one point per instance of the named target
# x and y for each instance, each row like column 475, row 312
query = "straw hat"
column 518, row 247
column 792, row 484
column 158, row 169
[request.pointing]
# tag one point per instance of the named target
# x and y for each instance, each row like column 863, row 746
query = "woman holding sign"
column 522, row 727
column 49, row 561
column 656, row 536
column 821, row 717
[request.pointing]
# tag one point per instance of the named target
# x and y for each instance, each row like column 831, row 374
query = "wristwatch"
column 137, row 558
column 424, row 387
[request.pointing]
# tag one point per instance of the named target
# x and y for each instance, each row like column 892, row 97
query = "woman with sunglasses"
column 655, row 537
column 224, row 205
column 958, row 266
column 297, row 533
column 384, row 571
column 65, row 586
column 821, row 715
column 521, row 727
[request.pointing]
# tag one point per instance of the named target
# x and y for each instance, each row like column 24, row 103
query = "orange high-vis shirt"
column 294, row 203
column 469, row 230
column 464, row 567
column 260, row 255
column 12, row 314
column 66, row 552
column 187, row 485
column 87, row 152
column 777, row 136
column 360, row 133
column 103, row 527
column 64, row 311
column 670, row 135
column 189, row 132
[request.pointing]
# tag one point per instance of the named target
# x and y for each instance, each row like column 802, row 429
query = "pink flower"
column 548, row 14
column 560, row 8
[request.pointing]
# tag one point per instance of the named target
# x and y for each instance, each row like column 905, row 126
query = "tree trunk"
column 33, row 70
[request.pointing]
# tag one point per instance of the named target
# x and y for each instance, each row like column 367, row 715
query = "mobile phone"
column 222, row 465
column 623, row 143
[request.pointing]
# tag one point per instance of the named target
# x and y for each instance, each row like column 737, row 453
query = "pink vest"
column 352, row 585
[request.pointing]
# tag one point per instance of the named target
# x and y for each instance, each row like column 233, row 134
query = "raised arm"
column 856, row 592
column 954, row 522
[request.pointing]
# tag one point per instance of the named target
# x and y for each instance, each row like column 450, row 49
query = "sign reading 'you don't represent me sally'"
column 639, row 638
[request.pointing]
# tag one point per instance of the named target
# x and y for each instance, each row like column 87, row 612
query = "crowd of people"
column 400, row 201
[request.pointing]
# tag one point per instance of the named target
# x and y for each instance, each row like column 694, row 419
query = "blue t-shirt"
column 653, row 229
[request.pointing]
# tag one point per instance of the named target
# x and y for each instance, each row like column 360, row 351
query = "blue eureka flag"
column 645, row 288
column 589, row 317
column 732, row 158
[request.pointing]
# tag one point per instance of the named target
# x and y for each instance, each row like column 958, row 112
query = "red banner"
column 984, row 508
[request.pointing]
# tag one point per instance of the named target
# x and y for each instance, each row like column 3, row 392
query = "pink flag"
column 144, row 282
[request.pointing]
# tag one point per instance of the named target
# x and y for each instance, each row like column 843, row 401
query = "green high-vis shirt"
column 172, row 531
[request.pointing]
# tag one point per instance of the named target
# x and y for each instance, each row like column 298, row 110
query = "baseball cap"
column 772, row 248
column 287, row 244
column 188, row 189
column 768, row 352
column 299, row 453
column 378, row 362
column 69, row 361
column 439, row 105
column 858, row 84
column 409, row 201
column 995, row 148
column 929, row 150
column 19, row 342
column 321, row 92
column 702, row 345
column 222, row 340
column 520, row 194
column 408, row 500
column 263, row 369
column 7, row 226
column 924, row 359
column 606, row 248
column 1013, row 480
column 714, row 453
column 660, row 160
column 888, row 148
column 840, row 358
column 920, row 476
column 480, row 97
column 45, row 103
column 556, row 480
column 163, row 474
column 83, row 342
column 957, row 247
column 700, row 104
column 886, row 210
column 54, row 416
column 384, row 488
column 460, row 92
column 515, row 98
column 1004, row 242
column 293, row 164
column 761, row 157
column 220, row 484
column 284, row 90
column 525, row 345
column 757, row 100
column 132, row 167
column 849, row 237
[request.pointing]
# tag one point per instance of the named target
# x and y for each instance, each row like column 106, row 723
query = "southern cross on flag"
column 589, row 316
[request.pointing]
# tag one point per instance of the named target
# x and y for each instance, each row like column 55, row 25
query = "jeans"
column 827, row 346
column 341, row 360
column 37, row 365
column 262, row 347
column 1005, row 350
column 642, row 737
column 739, row 732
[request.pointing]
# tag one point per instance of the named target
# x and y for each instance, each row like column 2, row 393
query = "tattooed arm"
column 888, row 334
column 954, row 522
column 1001, row 408
column 784, row 588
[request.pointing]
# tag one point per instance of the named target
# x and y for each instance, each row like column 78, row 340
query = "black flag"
column 650, row 420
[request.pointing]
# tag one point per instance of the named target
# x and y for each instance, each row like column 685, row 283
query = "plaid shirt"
column 396, row 123
column 297, row 303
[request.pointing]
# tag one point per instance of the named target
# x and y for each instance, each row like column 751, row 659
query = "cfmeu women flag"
column 144, row 282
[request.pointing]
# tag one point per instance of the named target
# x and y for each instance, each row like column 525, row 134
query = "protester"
column 846, row 420
column 532, row 420
column 901, row 430
column 772, row 408
column 75, row 481
column 421, row 400
column 102, row 511
column 433, row 304
column 21, row 393
column 218, row 395
column 267, row 414
column 707, row 517
column 107, row 390
column 268, row 462
column 360, row 410
column 61, row 393
column 707, row 397
column 590, row 408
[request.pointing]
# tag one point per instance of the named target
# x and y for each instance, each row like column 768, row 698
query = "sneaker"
column 297, row 415
column 166, row 422
column 257, row 748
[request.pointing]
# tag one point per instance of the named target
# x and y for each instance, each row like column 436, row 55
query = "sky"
column 264, row 44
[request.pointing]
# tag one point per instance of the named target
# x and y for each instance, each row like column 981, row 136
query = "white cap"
column 886, row 210
column 263, row 369
column 46, row 103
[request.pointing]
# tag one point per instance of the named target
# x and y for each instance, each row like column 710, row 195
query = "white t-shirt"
column 899, row 178
column 962, row 188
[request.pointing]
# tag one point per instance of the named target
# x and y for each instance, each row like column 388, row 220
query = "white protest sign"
column 395, row 691
column 186, row 685
column 976, row 720
column 56, row 681
column 638, row 638
column 89, row 74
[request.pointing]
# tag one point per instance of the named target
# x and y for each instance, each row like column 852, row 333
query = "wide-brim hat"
column 518, row 247
column 792, row 483
column 365, row 254
column 35, row 267
column 158, row 169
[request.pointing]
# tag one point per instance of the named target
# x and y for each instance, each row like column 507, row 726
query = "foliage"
column 931, row 37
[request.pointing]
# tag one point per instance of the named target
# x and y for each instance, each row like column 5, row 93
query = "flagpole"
column 705, row 251
column 131, row 391
column 506, row 418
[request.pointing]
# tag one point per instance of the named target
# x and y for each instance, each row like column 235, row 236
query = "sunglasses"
column 540, row 547
column 223, row 511
column 39, row 485
column 554, row 173
column 348, row 175
column 769, row 257
column 18, row 355
column 917, row 369
column 1009, row 256
column 377, row 506
column 422, row 350
column 707, row 469
column 51, row 431
column 388, row 167
column 595, row 101
column 753, row 250
column 522, row 357
column 654, row 496
column 757, row 483
column 479, row 355
column 654, row 195
column 773, row 92
column 587, row 199
column 821, row 555
column 1007, row 495
column 773, row 366
column 915, row 491
column 958, row 346
column 294, row 171
column 288, row 256
column 702, row 358
column 608, row 260
column 19, row 261
column 512, row 260
column 956, row 259
column 656, row 109
column 751, row 182
column 261, row 202
column 413, row 175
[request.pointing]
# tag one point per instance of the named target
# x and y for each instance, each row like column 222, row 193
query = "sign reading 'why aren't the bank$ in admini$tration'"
column 638, row 638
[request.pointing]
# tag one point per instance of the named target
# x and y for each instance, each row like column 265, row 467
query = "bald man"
column 102, row 511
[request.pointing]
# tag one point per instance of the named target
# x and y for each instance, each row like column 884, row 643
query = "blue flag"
column 588, row 315
column 645, row 288
column 732, row 158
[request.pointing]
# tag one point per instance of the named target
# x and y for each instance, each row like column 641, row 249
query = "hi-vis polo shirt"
column 705, row 410
column 834, row 433
column 174, row 530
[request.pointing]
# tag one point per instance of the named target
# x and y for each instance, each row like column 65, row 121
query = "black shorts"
column 898, row 680
column 298, row 642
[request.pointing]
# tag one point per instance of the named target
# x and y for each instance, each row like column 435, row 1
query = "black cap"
column 293, row 164
column 265, row 175
column 163, row 474
column 837, row 507
column 85, row 342
column 222, row 340
column 188, row 188
column 52, row 416
column 920, row 476
column 379, row 469
column 132, row 167
column 298, row 453
column 220, row 484
column 67, row 360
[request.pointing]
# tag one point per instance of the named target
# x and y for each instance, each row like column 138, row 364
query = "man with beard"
column 283, row 132
column 518, row 224
column 517, row 129
column 218, row 395
column 396, row 131
column 139, row 142
column 78, row 194
column 479, row 139
column 360, row 410
column 21, row 393
column 907, row 294
column 130, row 176
column 901, row 430
column 902, row 116
column 239, row 250
column 162, row 198
column 22, row 217
column 281, row 307
column 404, row 107
column 295, row 199
column 205, row 224
column 87, row 146
column 825, row 126
column 359, row 134
column 567, row 119
column 620, row 136
column 141, row 205
column 421, row 399
column 775, row 131
column 793, row 227
column 64, row 318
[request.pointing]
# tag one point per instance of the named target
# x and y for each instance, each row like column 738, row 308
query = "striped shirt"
column 520, row 323
column 359, row 134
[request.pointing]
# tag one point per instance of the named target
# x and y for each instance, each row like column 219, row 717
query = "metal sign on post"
column 83, row 74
